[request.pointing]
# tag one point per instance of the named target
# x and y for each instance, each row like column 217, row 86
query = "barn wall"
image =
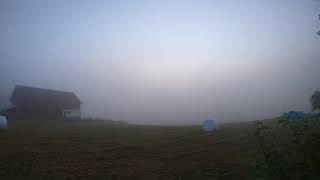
column 41, row 113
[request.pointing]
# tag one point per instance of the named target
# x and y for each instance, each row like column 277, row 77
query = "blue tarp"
column 294, row 115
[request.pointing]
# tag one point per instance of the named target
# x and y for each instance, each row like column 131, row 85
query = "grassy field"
column 100, row 150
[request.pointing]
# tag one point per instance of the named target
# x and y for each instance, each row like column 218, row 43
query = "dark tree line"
column 315, row 101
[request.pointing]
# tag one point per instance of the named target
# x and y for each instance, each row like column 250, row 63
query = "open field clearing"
column 101, row 150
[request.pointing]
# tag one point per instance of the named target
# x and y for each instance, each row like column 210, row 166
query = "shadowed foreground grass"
column 100, row 150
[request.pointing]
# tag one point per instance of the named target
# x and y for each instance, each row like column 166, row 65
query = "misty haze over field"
column 165, row 62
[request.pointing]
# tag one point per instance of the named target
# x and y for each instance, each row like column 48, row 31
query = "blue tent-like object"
column 294, row 115
column 3, row 123
column 209, row 125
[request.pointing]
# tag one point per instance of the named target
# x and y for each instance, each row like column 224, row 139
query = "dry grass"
column 100, row 150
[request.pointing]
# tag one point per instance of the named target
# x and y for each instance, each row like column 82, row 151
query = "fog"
column 165, row 62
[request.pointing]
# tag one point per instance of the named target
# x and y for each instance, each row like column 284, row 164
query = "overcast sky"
column 165, row 61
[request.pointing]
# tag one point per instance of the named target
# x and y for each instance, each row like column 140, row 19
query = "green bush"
column 289, row 152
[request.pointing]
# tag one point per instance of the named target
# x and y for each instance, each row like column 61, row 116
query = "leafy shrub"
column 292, row 154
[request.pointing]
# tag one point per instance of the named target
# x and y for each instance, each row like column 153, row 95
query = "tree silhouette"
column 315, row 101
column 319, row 31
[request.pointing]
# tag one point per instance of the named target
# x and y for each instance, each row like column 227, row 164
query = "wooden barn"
column 45, row 104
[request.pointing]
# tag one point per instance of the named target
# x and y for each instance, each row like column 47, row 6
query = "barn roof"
column 24, row 95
